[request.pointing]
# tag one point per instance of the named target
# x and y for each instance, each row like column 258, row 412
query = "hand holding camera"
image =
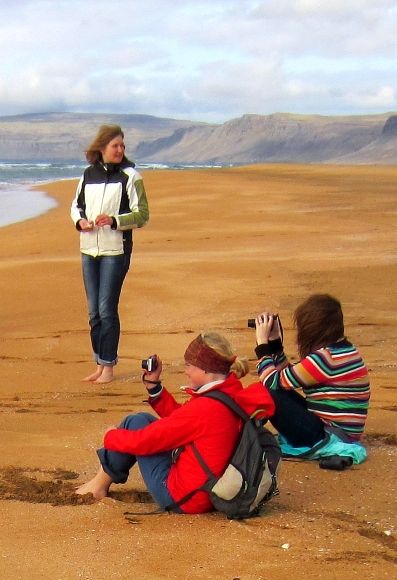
column 152, row 367
column 267, row 326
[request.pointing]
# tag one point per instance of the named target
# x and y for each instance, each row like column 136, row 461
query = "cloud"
column 200, row 59
column 384, row 98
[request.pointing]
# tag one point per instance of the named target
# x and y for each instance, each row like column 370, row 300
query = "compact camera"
column 251, row 321
column 150, row 364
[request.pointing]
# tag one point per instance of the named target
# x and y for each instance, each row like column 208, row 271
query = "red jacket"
column 212, row 426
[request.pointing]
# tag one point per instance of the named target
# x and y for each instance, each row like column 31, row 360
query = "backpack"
column 250, row 478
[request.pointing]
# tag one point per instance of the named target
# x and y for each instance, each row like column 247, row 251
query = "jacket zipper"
column 103, row 197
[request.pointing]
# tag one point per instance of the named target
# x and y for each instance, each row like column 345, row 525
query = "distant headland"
column 275, row 138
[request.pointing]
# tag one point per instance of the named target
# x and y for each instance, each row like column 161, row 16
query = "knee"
column 108, row 314
column 277, row 396
column 287, row 397
column 93, row 316
column 137, row 421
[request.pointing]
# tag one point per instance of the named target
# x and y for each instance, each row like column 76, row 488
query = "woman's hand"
column 153, row 377
column 85, row 225
column 267, row 328
column 103, row 220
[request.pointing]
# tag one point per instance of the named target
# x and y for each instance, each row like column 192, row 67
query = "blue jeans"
column 103, row 279
column 154, row 468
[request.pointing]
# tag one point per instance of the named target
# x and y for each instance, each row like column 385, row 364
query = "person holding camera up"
column 162, row 447
column 328, row 421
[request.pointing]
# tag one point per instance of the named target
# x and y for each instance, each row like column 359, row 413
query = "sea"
column 19, row 202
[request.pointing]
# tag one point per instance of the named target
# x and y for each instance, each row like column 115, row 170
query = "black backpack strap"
column 201, row 461
column 228, row 401
column 189, row 495
column 184, row 499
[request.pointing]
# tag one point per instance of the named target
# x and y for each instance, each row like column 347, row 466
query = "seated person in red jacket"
column 161, row 446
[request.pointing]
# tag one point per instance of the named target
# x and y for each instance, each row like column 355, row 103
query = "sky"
column 200, row 60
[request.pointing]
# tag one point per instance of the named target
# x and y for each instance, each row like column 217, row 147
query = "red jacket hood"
column 253, row 398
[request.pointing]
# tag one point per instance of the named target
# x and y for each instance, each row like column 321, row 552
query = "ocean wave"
column 10, row 164
column 153, row 166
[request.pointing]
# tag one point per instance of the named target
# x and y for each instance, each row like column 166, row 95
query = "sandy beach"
column 221, row 245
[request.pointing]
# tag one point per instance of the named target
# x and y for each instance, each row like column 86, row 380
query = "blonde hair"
column 106, row 133
column 222, row 346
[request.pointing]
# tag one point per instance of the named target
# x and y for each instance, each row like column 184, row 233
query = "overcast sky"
column 196, row 59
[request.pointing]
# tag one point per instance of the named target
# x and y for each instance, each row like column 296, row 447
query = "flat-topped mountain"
column 271, row 138
column 65, row 136
column 280, row 137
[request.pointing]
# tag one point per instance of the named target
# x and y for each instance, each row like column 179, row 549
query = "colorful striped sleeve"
column 334, row 380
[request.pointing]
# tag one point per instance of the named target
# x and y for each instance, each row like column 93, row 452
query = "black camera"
column 251, row 321
column 150, row 364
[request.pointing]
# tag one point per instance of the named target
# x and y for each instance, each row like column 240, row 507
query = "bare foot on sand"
column 106, row 376
column 98, row 486
column 94, row 376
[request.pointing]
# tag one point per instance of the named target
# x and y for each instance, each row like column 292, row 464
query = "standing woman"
column 110, row 202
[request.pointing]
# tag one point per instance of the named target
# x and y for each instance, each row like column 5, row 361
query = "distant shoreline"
column 34, row 199
column 19, row 203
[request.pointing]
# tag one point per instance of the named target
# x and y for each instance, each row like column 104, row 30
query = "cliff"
column 280, row 137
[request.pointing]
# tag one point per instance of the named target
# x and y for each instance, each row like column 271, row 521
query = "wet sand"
column 221, row 245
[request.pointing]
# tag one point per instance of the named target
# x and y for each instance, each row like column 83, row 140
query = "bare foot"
column 88, row 488
column 105, row 377
column 94, row 376
column 98, row 486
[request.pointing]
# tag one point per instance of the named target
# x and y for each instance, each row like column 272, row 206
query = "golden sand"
column 222, row 245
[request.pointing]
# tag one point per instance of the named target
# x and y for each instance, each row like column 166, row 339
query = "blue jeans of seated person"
column 300, row 427
column 154, row 468
column 103, row 279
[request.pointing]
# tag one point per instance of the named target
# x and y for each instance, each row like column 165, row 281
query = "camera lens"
column 150, row 364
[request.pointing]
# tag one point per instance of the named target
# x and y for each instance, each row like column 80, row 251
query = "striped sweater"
column 334, row 380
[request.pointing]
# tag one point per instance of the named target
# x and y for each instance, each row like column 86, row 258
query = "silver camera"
column 150, row 364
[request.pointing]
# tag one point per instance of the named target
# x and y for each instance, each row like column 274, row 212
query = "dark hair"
column 318, row 321
column 106, row 133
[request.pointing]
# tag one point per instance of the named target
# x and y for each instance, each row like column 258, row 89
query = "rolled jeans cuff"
column 105, row 363
column 117, row 477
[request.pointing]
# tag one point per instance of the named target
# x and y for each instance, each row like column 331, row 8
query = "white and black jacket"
column 114, row 190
